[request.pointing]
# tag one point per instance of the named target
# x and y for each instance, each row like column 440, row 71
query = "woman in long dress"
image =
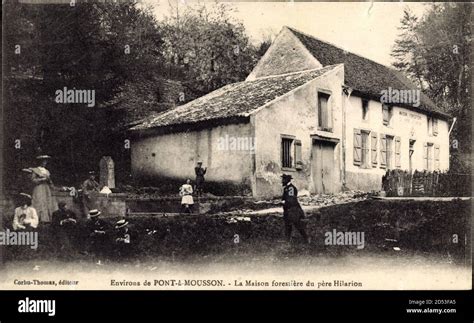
column 42, row 199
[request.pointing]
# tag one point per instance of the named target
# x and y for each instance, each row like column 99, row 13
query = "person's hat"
column 92, row 172
column 27, row 170
column 43, row 157
column 28, row 196
column 286, row 176
column 94, row 213
column 199, row 161
column 61, row 203
column 121, row 223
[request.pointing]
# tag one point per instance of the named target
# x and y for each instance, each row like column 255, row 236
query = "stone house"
column 332, row 119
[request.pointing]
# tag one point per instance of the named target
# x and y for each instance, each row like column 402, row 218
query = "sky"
column 365, row 28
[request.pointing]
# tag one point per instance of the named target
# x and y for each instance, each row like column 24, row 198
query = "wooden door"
column 323, row 167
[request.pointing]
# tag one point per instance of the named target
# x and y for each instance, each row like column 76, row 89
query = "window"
column 411, row 151
column 324, row 113
column 362, row 148
column 387, row 152
column 365, row 148
column 286, row 152
column 389, row 146
column 432, row 126
column 365, row 109
column 387, row 114
column 291, row 153
column 428, row 156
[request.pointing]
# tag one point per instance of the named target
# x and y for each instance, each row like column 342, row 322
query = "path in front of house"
column 309, row 203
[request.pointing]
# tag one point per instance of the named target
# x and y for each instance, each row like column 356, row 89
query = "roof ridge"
column 292, row 73
column 337, row 46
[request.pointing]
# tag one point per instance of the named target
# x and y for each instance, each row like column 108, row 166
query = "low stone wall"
column 119, row 204
column 111, row 205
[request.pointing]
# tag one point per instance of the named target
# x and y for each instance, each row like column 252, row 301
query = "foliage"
column 209, row 46
column 434, row 51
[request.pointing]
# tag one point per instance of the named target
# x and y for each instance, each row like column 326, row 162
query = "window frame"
column 329, row 126
column 389, row 152
column 389, row 109
column 291, row 153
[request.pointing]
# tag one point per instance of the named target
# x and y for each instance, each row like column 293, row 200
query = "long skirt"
column 43, row 202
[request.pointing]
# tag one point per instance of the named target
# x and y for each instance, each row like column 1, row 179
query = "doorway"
column 323, row 166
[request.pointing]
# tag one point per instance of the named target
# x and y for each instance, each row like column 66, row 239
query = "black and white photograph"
column 206, row 145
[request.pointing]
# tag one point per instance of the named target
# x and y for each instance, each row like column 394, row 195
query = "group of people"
column 41, row 207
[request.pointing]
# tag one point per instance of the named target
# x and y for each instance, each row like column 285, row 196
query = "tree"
column 97, row 46
column 434, row 51
column 211, row 48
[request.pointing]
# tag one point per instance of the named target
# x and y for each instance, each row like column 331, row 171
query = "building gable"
column 286, row 55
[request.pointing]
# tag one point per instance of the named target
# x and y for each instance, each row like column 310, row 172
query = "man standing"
column 90, row 188
column 200, row 172
column 292, row 211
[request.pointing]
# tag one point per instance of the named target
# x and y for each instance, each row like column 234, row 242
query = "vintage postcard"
column 198, row 145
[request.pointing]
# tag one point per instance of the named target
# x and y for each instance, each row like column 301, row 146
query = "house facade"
column 330, row 118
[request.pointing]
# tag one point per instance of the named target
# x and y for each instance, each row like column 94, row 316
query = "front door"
column 323, row 166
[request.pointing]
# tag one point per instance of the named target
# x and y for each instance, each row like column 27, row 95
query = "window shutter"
column 298, row 159
column 435, row 127
column 357, row 147
column 383, row 151
column 436, row 156
column 425, row 155
column 397, row 152
column 373, row 144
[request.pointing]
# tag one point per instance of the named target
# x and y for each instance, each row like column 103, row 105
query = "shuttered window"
column 357, row 147
column 397, row 152
column 373, row 143
column 436, row 157
column 383, row 151
column 365, row 149
column 389, row 151
column 298, row 159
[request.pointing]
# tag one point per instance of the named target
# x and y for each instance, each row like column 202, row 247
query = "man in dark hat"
column 200, row 172
column 64, row 224
column 292, row 211
column 90, row 189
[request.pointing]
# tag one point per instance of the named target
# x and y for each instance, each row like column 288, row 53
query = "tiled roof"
column 362, row 74
column 233, row 100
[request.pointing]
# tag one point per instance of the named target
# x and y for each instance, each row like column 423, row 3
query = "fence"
column 403, row 183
